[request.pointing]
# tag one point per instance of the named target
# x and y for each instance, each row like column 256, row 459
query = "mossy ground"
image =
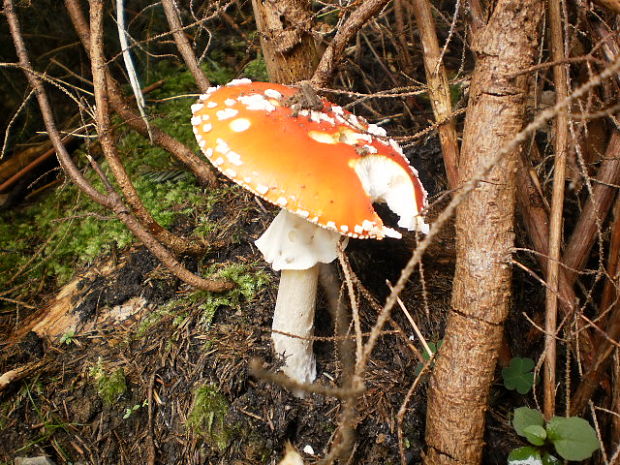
column 177, row 381
column 175, row 384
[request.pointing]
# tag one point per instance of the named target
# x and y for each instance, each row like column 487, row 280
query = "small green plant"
column 110, row 386
column 256, row 69
column 518, row 376
column 434, row 347
column 129, row 411
column 572, row 437
column 68, row 338
column 208, row 414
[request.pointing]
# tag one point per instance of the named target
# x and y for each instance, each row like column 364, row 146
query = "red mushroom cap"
column 307, row 162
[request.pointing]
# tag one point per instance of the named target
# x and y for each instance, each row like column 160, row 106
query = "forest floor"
column 153, row 372
column 123, row 364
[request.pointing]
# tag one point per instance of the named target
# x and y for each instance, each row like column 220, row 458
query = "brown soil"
column 57, row 410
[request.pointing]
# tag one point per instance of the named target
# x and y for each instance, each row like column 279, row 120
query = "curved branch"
column 183, row 45
column 110, row 200
column 123, row 108
column 333, row 53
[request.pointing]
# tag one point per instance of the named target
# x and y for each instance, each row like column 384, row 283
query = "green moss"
column 207, row 416
column 110, row 386
column 247, row 282
column 64, row 230
column 256, row 69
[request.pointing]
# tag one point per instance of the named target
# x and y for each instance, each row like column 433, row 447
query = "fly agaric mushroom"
column 324, row 168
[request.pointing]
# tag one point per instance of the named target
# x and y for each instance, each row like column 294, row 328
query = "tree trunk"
column 286, row 39
column 484, row 225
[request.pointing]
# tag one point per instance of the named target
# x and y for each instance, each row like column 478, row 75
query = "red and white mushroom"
column 324, row 169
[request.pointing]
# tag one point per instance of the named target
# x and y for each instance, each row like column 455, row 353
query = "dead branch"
column 111, row 200
column 180, row 39
column 536, row 220
column 334, row 52
column 438, row 88
column 557, row 203
column 595, row 210
column 108, row 145
column 123, row 108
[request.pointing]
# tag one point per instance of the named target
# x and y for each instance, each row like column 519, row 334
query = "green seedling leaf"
column 434, row 347
column 527, row 455
column 549, row 459
column 535, row 434
column 530, row 455
column 525, row 417
column 573, row 437
column 518, row 375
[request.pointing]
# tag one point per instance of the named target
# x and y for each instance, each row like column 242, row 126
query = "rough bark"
column 286, row 40
column 484, row 225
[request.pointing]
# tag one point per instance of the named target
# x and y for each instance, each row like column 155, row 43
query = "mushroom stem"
column 294, row 315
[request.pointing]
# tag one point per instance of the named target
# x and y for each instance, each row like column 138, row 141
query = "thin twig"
column 258, row 371
column 335, row 50
column 180, row 39
column 557, row 204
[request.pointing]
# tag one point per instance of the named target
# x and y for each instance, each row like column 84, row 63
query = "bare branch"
column 333, row 53
column 183, row 45
column 112, row 200
column 120, row 105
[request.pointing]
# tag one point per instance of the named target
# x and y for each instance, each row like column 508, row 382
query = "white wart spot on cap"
column 196, row 120
column 234, row 158
column 197, row 107
column 344, row 228
column 396, row 147
column 273, row 93
column 257, row 102
column 226, row 113
column 207, row 127
column 262, row 189
column 221, row 146
column 229, row 102
column 240, row 124
column 218, row 161
column 282, row 201
column 230, row 173
column 209, row 152
column 211, row 104
column 367, row 225
column 322, row 137
column 376, row 130
column 238, row 82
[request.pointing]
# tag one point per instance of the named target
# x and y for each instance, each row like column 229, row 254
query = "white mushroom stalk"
column 296, row 247
column 324, row 168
